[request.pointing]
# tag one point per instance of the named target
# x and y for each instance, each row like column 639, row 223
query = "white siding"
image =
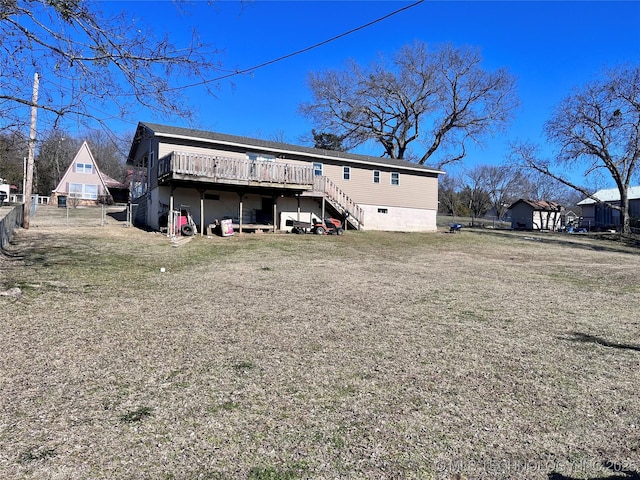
column 399, row 219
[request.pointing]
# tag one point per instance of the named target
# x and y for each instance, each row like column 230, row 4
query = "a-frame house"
column 84, row 184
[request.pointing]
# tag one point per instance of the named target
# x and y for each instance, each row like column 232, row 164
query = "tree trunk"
column 624, row 210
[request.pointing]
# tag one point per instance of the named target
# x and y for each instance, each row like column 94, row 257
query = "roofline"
column 633, row 193
column 284, row 148
column 536, row 205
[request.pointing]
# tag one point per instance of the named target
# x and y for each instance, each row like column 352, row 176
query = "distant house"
column 596, row 215
column 536, row 215
column 265, row 185
column 85, row 184
column 571, row 218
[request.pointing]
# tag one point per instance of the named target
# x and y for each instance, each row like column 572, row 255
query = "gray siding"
column 522, row 216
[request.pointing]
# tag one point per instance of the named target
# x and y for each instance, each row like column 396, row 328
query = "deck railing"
column 218, row 168
column 235, row 169
column 336, row 195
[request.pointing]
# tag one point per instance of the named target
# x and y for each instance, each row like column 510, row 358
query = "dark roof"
column 539, row 205
column 111, row 182
column 165, row 130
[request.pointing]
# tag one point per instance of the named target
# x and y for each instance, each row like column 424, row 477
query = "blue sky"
column 551, row 47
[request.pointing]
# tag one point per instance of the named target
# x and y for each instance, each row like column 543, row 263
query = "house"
column 596, row 215
column 85, row 184
column 535, row 215
column 264, row 185
column 571, row 218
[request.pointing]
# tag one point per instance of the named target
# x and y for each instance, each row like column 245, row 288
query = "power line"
column 297, row 52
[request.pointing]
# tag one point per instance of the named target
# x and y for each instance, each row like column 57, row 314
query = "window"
column 317, row 169
column 376, row 176
column 395, row 178
column 83, row 168
column 75, row 190
column 254, row 157
column 346, row 173
column 80, row 190
column 91, row 192
column 383, row 210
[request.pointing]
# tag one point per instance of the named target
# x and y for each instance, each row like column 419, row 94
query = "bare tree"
column 503, row 184
column 598, row 129
column 13, row 151
column 449, row 195
column 110, row 152
column 56, row 151
column 327, row 141
column 93, row 67
column 537, row 186
column 474, row 193
column 440, row 99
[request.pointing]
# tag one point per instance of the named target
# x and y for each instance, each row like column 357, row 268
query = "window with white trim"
column 91, row 192
column 376, row 176
column 84, row 168
column 395, row 178
column 346, row 173
column 317, row 169
column 75, row 190
column 83, row 191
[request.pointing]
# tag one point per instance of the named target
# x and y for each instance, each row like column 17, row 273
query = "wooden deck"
column 234, row 171
column 238, row 172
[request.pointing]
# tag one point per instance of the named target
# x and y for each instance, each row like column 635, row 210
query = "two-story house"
column 259, row 183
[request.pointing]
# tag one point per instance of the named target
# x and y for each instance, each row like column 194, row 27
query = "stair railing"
column 340, row 199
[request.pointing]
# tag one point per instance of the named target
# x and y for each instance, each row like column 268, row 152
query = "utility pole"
column 32, row 151
column 24, row 177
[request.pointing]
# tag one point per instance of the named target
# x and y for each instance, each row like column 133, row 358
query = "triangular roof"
column 84, row 154
column 266, row 145
column 611, row 195
column 539, row 205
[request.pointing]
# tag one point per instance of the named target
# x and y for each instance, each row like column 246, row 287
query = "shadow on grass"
column 620, row 474
column 584, row 242
column 120, row 216
column 586, row 338
column 48, row 249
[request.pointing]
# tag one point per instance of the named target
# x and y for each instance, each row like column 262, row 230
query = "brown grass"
column 371, row 355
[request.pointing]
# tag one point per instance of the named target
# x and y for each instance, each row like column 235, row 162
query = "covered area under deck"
column 248, row 215
column 212, row 175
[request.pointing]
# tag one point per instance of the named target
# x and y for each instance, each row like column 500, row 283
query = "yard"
column 494, row 354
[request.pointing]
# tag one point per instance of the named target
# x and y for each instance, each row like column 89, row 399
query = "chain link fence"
column 79, row 216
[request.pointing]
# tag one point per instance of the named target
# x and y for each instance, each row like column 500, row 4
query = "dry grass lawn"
column 495, row 355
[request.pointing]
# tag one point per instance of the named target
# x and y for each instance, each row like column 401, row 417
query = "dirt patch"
column 370, row 355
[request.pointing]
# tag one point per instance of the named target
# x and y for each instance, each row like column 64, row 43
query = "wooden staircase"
column 339, row 201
